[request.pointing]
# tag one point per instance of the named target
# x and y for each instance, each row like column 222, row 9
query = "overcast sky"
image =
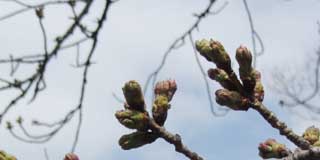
column 130, row 47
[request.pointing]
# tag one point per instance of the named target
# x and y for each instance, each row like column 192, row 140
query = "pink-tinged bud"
column 222, row 78
column 133, row 119
column 133, row 95
column 71, row 156
column 272, row 149
column 311, row 134
column 232, row 99
column 214, row 51
column 244, row 57
column 160, row 109
column 166, row 88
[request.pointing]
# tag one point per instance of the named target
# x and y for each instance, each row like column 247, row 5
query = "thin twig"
column 254, row 36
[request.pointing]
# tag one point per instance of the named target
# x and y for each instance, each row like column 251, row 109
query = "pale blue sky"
column 131, row 46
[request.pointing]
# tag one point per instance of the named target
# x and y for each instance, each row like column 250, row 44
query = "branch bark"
column 272, row 119
column 311, row 154
column 174, row 140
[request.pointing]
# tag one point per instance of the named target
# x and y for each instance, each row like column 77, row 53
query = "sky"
column 131, row 45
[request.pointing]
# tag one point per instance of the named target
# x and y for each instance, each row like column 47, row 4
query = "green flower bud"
column 203, row 46
column 231, row 99
column 166, row 88
column 218, row 74
column 133, row 119
column 311, row 134
column 222, row 77
column 160, row 109
column 71, row 156
column 6, row 156
column 214, row 51
column 133, row 95
column 272, row 149
column 136, row 139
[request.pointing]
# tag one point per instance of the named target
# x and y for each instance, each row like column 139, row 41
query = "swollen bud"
column 272, row 149
column 133, row 119
column 222, row 77
column 311, row 134
column 244, row 57
column 218, row 74
column 214, row 51
column 231, row 99
column 136, row 139
column 160, row 109
column 166, row 88
column 203, row 46
column 133, row 95
column 71, row 156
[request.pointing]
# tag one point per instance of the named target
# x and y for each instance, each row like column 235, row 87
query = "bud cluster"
column 272, row 149
column 135, row 116
column 235, row 95
column 312, row 135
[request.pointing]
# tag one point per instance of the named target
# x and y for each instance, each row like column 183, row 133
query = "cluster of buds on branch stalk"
column 235, row 95
column 247, row 92
column 135, row 115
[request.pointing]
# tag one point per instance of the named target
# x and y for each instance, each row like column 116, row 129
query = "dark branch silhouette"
column 301, row 90
column 35, row 83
